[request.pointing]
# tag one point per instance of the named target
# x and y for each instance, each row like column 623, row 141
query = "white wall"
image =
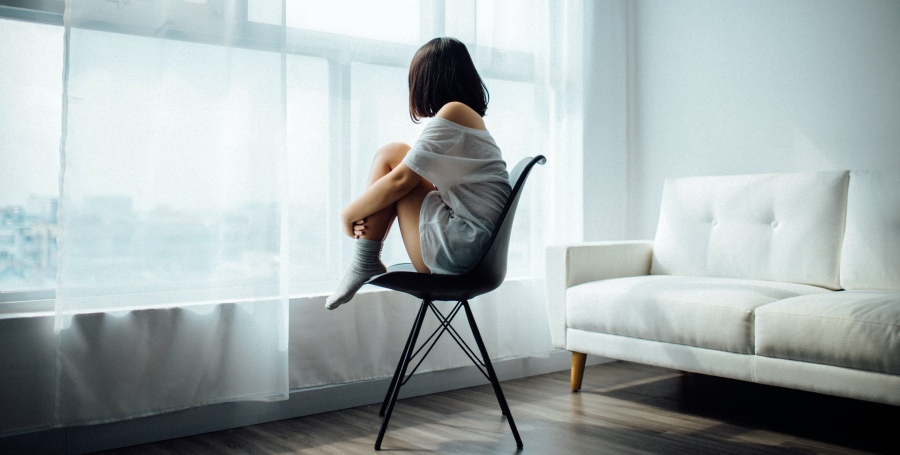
column 605, row 163
column 732, row 87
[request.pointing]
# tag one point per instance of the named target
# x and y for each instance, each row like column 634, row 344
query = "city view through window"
column 28, row 245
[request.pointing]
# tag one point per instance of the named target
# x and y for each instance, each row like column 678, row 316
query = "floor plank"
column 622, row 408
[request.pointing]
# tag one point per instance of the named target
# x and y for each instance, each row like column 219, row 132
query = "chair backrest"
column 490, row 271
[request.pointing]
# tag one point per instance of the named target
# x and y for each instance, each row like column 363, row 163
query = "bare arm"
column 384, row 192
column 401, row 179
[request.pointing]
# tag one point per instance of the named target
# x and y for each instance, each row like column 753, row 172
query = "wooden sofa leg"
column 578, row 360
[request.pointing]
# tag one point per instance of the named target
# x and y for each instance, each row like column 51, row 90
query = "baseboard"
column 204, row 419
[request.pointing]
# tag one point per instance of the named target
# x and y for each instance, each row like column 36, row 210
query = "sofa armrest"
column 571, row 265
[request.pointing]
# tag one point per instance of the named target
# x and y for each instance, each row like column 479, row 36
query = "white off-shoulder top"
column 472, row 186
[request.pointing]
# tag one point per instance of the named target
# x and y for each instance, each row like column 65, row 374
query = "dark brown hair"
column 442, row 71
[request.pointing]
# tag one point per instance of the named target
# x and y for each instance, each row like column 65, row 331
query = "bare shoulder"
column 461, row 114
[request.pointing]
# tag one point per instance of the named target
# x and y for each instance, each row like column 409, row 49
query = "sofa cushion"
column 871, row 252
column 777, row 227
column 853, row 329
column 713, row 313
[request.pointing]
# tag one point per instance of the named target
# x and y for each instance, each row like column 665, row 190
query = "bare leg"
column 386, row 159
column 406, row 210
column 367, row 259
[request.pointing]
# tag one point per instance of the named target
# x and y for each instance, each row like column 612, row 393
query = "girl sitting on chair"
column 446, row 191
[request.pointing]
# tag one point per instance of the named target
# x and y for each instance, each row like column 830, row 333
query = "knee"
column 392, row 154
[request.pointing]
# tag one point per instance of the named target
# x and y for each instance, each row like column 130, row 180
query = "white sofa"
column 785, row 279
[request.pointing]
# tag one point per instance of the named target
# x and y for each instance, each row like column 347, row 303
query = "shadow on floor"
column 846, row 422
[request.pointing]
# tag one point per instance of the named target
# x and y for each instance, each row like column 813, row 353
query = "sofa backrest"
column 871, row 254
column 777, row 227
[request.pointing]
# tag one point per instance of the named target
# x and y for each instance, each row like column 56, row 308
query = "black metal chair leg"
column 404, row 362
column 406, row 349
column 504, row 407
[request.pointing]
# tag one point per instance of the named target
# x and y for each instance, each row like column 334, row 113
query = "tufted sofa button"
column 774, row 224
column 714, row 222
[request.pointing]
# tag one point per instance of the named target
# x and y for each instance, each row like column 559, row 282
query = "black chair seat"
column 434, row 287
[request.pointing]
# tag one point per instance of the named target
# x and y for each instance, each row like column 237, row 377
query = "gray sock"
column 366, row 264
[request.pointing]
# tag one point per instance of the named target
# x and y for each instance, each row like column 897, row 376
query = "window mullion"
column 432, row 20
column 339, row 153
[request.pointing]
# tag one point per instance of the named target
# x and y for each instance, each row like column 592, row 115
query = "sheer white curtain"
column 529, row 54
column 172, row 285
column 208, row 147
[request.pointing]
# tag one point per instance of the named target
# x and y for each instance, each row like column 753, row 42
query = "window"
column 31, row 100
column 346, row 96
column 396, row 21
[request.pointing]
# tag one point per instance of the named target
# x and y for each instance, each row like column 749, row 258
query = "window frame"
column 41, row 11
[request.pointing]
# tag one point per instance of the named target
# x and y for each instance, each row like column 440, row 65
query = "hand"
column 359, row 228
column 353, row 228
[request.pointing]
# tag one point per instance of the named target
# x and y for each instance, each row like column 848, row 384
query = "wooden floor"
column 622, row 408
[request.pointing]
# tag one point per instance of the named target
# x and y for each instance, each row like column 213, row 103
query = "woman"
column 447, row 191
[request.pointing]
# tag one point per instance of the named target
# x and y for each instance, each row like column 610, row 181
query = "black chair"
column 483, row 277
